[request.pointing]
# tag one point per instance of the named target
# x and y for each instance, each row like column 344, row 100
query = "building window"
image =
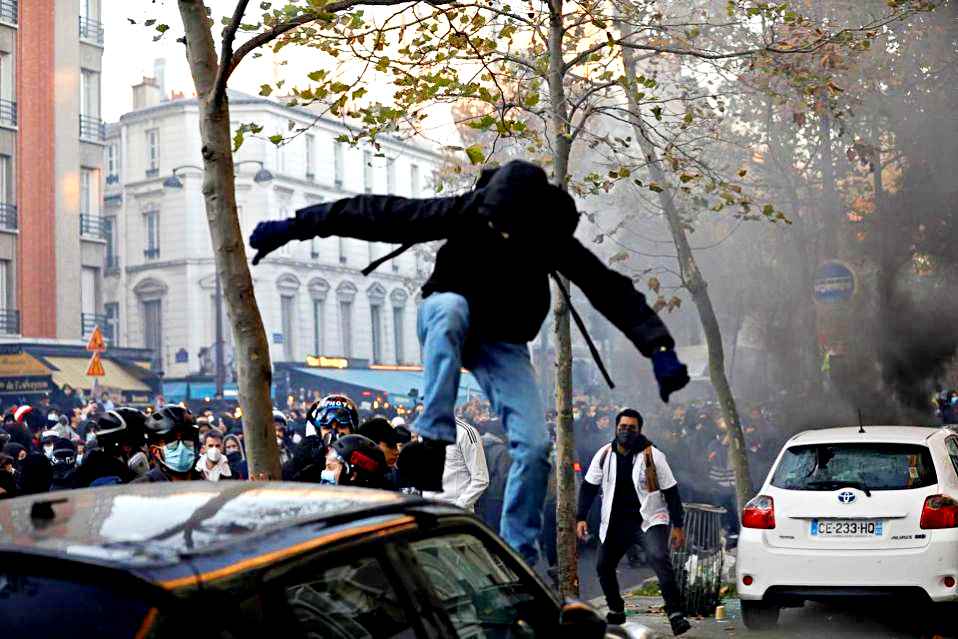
column 339, row 163
column 377, row 332
column 112, row 175
column 414, row 180
column 391, row 176
column 152, row 153
column 314, row 248
column 318, row 327
column 88, row 292
column 287, row 309
column 368, row 171
column 90, row 9
column 280, row 158
column 8, row 96
column 90, row 192
column 342, row 250
column 6, row 290
column 112, row 329
column 109, row 234
column 346, row 327
column 399, row 334
column 310, row 157
column 152, row 222
column 90, row 93
column 153, row 331
column 8, row 206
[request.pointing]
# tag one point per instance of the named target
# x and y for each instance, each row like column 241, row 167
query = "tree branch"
column 226, row 53
column 333, row 7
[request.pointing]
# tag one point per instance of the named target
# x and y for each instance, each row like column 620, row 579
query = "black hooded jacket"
column 503, row 239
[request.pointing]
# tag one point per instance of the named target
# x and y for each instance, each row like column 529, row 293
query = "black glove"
column 269, row 236
column 670, row 373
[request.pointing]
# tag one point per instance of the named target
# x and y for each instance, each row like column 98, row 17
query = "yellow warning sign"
column 96, row 343
column 95, row 369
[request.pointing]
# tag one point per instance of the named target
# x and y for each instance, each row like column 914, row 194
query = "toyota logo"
column 846, row 497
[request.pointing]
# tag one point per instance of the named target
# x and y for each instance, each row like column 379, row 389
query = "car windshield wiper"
column 840, row 484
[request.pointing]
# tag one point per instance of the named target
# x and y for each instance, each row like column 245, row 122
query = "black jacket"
column 504, row 279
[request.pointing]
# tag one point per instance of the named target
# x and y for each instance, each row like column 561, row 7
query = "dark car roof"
column 142, row 525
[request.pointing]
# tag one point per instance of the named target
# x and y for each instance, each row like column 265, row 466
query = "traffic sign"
column 95, row 369
column 834, row 282
column 96, row 344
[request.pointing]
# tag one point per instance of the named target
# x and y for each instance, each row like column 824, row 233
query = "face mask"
column 626, row 439
column 213, row 454
column 48, row 451
column 234, row 457
column 327, row 477
column 79, row 458
column 297, row 438
column 178, row 457
column 279, row 441
column 90, row 436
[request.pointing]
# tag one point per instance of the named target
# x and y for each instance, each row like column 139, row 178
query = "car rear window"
column 864, row 466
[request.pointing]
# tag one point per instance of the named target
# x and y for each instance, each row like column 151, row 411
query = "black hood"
column 520, row 201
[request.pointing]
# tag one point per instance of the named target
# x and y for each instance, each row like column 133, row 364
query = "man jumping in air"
column 485, row 300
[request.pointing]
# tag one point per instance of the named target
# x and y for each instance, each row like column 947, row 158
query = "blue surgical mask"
column 327, row 477
column 179, row 456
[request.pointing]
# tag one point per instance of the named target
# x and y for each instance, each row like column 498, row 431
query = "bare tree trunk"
column 219, row 190
column 566, row 544
column 698, row 288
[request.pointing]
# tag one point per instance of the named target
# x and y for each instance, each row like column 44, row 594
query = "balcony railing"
column 9, row 12
column 91, row 30
column 93, row 226
column 92, row 128
column 9, row 322
column 154, row 172
column 8, row 217
column 8, row 112
column 112, row 263
column 152, row 253
column 113, row 178
column 89, row 321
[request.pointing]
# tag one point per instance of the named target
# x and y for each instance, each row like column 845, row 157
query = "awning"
column 176, row 391
column 23, row 374
column 73, row 372
column 396, row 383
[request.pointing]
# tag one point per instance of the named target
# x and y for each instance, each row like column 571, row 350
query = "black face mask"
column 627, row 439
column 235, row 457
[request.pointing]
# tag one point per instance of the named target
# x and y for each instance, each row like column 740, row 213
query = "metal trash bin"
column 698, row 564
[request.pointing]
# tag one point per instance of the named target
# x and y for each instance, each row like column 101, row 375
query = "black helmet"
column 123, row 425
column 334, row 409
column 362, row 455
column 171, row 419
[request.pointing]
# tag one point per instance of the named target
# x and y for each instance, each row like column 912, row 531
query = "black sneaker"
column 680, row 625
column 421, row 464
column 615, row 618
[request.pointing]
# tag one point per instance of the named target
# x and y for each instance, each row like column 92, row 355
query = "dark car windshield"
column 864, row 466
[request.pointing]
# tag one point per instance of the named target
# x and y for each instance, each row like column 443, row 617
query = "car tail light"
column 759, row 513
column 747, row 580
column 949, row 581
column 940, row 511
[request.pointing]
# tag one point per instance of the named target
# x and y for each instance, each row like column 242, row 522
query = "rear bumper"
column 842, row 573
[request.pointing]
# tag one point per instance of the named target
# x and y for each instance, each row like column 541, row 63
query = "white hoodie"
column 465, row 476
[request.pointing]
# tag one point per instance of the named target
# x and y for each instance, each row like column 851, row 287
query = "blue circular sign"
column 834, row 282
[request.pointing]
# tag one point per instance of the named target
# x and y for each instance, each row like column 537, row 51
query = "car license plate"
column 847, row 528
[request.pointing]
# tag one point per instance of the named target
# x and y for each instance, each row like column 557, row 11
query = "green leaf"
column 621, row 256
column 475, row 154
column 655, row 188
column 265, row 90
column 768, row 210
column 276, row 139
column 149, row 23
column 317, row 75
column 657, row 112
column 162, row 28
column 238, row 139
column 743, row 172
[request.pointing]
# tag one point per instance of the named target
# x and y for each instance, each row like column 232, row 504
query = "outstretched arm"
column 614, row 295
column 374, row 218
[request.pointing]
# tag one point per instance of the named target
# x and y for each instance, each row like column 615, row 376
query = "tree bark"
column 695, row 283
column 254, row 370
column 566, row 543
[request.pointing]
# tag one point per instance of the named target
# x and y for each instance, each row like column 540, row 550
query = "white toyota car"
column 852, row 512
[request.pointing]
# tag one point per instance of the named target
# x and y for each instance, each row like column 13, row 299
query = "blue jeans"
column 506, row 376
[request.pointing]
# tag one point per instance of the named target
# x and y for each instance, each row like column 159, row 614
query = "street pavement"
column 814, row 621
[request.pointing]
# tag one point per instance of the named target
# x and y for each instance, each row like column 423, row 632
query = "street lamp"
column 174, row 182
